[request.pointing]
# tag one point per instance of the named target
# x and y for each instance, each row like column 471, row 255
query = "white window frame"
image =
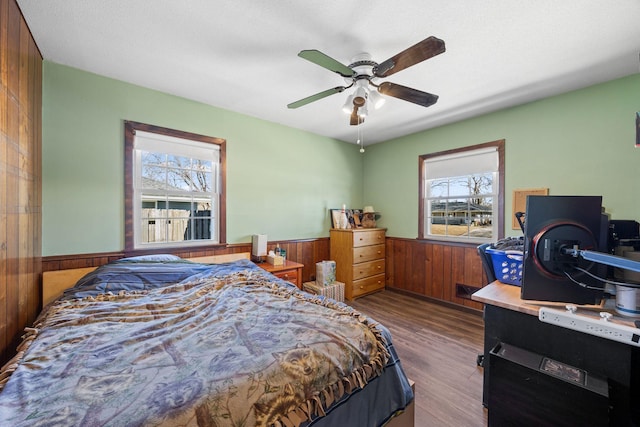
column 455, row 165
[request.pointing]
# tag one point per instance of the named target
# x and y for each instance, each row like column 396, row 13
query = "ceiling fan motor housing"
column 363, row 66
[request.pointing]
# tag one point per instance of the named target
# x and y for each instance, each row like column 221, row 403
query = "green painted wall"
column 280, row 181
column 579, row 143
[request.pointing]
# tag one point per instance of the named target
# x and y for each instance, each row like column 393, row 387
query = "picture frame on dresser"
column 354, row 217
column 335, row 217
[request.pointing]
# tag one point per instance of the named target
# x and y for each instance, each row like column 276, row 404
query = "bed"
column 158, row 340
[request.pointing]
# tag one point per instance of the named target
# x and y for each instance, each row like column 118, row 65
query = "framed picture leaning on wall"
column 352, row 218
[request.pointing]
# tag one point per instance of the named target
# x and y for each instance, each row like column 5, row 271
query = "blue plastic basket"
column 507, row 265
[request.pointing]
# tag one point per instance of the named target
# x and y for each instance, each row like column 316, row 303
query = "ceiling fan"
column 362, row 72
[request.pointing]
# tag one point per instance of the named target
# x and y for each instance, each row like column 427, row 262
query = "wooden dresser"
column 360, row 260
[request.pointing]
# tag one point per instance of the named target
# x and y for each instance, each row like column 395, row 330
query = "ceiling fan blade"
column 317, row 96
column 408, row 94
column 425, row 49
column 327, row 62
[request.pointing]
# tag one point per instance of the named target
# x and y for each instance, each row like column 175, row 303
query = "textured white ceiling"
column 241, row 55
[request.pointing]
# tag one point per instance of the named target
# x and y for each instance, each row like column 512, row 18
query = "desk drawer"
column 367, row 285
column 366, row 238
column 368, row 253
column 366, row 269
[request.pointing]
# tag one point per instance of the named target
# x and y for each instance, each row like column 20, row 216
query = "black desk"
column 511, row 320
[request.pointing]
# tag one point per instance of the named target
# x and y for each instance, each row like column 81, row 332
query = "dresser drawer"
column 368, row 253
column 366, row 238
column 366, row 269
column 288, row 275
column 367, row 285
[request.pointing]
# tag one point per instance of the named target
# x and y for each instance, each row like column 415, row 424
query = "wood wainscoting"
column 442, row 271
column 304, row 251
column 439, row 271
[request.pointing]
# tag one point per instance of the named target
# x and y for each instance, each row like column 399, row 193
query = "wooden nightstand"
column 289, row 271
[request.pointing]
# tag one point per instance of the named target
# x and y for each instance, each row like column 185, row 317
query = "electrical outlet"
column 602, row 327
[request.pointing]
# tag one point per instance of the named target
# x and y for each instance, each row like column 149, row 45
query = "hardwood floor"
column 438, row 347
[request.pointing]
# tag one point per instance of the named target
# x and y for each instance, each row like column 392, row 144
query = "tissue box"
column 334, row 290
column 275, row 259
column 325, row 273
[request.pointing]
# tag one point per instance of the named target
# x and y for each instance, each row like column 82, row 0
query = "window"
column 462, row 194
column 175, row 191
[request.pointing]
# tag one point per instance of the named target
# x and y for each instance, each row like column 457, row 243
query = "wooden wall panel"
column 20, row 177
column 415, row 255
column 457, row 273
column 4, row 100
column 447, row 265
column 434, row 269
column 435, row 279
column 307, row 252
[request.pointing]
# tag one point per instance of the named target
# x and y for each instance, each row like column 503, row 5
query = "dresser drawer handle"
column 361, row 287
column 379, row 267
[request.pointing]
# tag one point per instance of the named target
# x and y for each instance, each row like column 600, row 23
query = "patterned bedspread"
column 234, row 350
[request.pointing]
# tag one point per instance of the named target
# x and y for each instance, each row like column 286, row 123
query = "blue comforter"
column 179, row 343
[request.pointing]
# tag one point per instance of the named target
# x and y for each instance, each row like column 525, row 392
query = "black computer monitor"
column 554, row 224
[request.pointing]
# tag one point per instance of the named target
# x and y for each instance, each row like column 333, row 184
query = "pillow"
column 145, row 272
column 151, row 258
column 133, row 275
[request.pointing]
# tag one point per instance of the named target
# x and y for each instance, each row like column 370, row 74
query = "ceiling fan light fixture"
column 376, row 99
column 348, row 105
column 360, row 97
